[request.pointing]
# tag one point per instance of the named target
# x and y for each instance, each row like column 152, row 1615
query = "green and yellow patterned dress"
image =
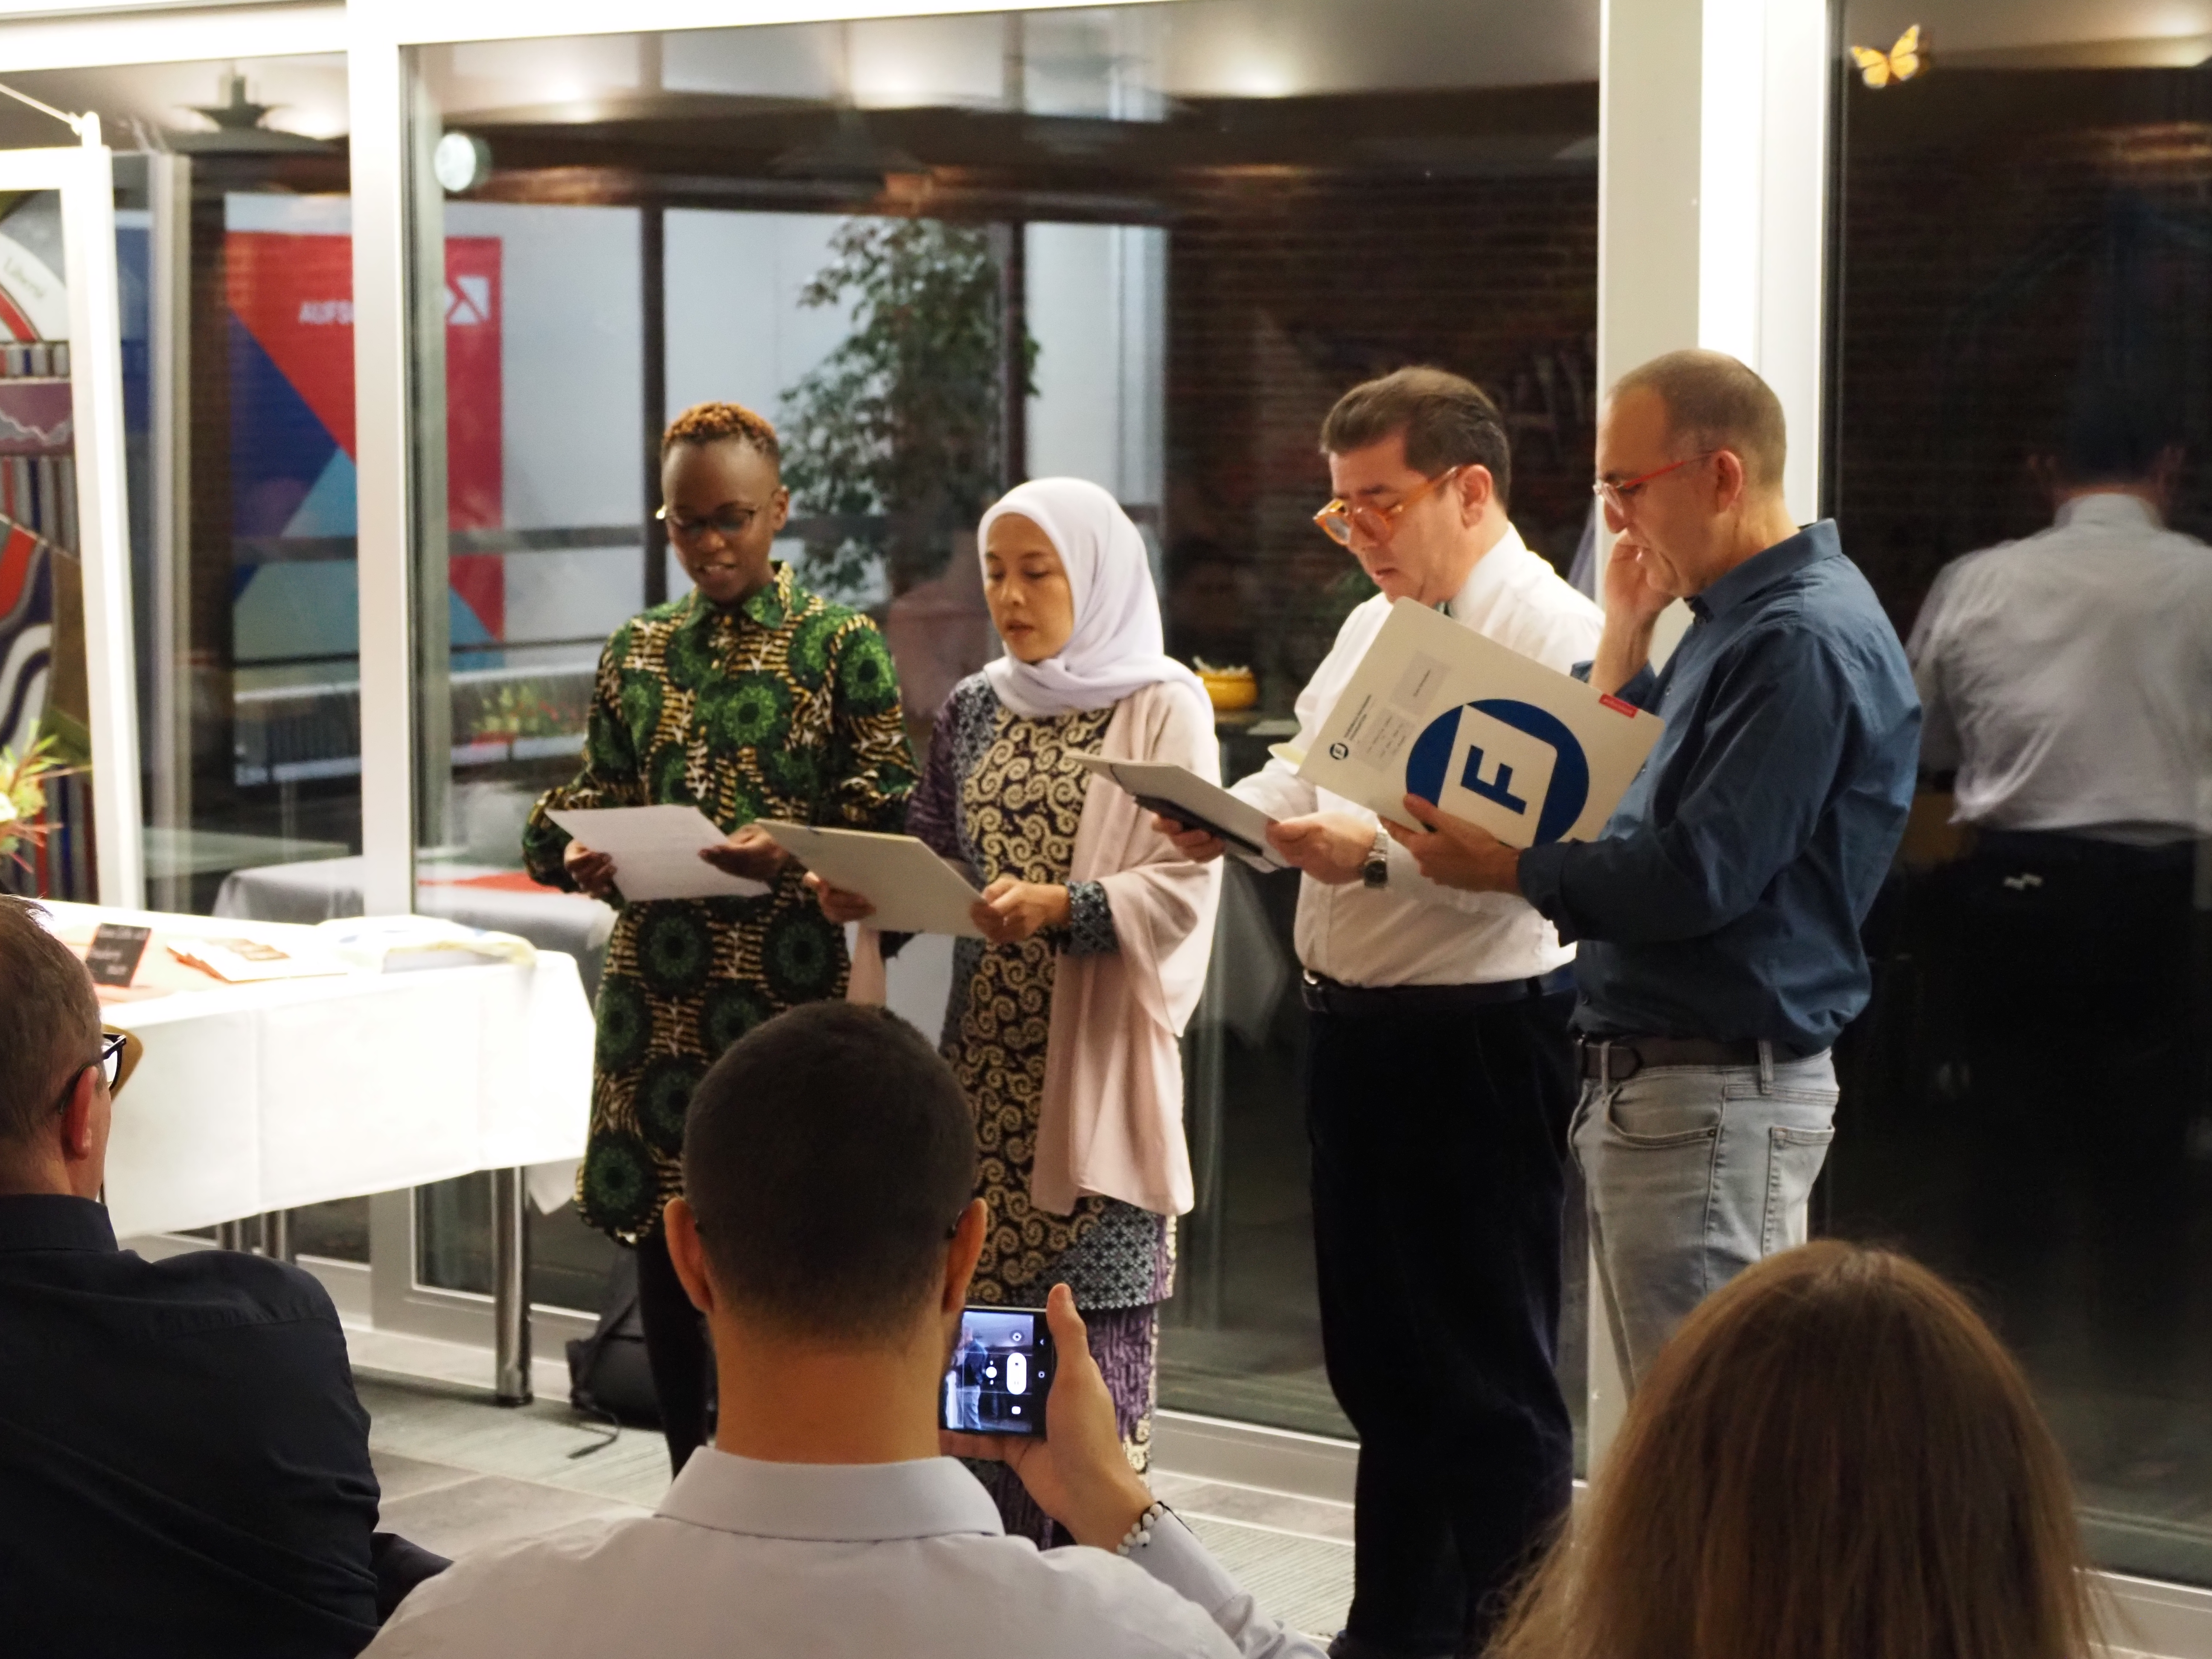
column 786, row 707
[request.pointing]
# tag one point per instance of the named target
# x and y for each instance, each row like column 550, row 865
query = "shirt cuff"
column 1089, row 921
column 1178, row 1560
column 1543, row 873
column 1641, row 685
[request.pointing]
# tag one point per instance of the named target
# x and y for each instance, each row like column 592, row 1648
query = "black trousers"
column 1439, row 1155
column 2073, row 976
column 675, row 1348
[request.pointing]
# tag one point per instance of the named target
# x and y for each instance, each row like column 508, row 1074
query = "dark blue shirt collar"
column 1768, row 568
column 53, row 1221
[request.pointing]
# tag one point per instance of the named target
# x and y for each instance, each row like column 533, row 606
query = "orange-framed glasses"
column 1340, row 518
column 1618, row 496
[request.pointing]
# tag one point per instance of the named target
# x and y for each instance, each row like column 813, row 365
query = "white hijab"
column 1117, row 646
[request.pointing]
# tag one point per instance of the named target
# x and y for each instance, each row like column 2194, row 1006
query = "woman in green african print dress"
column 751, row 698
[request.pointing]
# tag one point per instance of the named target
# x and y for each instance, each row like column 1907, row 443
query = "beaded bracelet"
column 1140, row 1530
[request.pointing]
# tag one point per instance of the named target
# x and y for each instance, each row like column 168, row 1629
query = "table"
column 475, row 895
column 260, row 1098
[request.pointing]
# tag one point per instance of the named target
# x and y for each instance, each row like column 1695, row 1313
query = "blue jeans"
column 1695, row 1172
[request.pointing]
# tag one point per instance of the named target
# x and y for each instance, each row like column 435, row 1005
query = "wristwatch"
column 1376, row 871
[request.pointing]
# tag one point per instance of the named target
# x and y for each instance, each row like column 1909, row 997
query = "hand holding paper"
column 1330, row 846
column 655, row 851
column 1010, row 910
column 750, row 853
column 1454, row 852
column 905, row 887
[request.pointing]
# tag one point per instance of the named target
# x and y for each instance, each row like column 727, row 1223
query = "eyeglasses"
column 1340, row 517
column 729, row 523
column 1618, row 496
column 119, row 1053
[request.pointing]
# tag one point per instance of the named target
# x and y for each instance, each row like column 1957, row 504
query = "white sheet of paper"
column 656, row 851
column 913, row 890
column 1438, row 710
column 1178, row 793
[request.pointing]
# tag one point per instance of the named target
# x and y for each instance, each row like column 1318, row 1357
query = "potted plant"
column 23, row 798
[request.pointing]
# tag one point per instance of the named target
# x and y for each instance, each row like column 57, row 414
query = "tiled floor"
column 460, row 1474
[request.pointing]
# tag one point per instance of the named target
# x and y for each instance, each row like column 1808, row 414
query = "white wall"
column 572, row 371
column 736, row 331
column 1097, row 306
column 570, row 357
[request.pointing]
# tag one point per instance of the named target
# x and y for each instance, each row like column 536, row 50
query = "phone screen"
column 1000, row 1373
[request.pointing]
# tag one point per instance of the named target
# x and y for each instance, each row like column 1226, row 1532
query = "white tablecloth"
column 320, row 889
column 254, row 1098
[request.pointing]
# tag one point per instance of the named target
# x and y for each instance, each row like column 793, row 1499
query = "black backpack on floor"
column 608, row 1375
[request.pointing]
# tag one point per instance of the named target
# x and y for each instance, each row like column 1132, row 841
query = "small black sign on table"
column 116, row 949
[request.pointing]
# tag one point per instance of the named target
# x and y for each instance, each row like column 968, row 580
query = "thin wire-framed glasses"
column 1618, row 496
column 1340, row 517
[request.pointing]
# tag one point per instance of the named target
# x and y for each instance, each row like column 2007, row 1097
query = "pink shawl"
column 1112, row 1116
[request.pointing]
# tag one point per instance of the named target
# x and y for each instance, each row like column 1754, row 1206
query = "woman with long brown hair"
column 1833, row 1459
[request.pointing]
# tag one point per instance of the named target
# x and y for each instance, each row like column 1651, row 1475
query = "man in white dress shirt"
column 828, row 1232
column 2068, row 683
column 1440, row 1073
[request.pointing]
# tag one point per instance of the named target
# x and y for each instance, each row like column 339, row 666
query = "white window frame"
column 84, row 175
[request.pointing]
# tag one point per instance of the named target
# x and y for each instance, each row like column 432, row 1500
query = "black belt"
column 1617, row 1058
column 1323, row 996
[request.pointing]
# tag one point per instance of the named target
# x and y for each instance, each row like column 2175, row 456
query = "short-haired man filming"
column 828, row 1230
column 1717, row 918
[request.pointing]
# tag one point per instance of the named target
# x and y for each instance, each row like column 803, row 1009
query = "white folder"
column 656, row 851
column 1440, row 711
column 913, row 890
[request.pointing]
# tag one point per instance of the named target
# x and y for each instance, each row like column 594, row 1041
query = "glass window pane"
column 2023, row 417
column 1148, row 245
column 235, row 259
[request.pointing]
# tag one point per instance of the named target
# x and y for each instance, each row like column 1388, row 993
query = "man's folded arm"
column 1767, row 759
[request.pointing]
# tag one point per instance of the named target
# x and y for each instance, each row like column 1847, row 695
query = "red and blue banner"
column 290, row 301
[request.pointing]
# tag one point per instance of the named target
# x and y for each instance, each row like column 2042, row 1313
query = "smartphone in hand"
column 1001, row 1370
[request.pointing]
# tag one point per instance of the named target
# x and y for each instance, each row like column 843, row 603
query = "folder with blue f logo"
column 1438, row 710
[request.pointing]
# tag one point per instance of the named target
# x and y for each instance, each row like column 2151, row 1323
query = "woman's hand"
column 839, row 905
column 749, row 852
column 1078, row 1473
column 1010, row 910
column 593, row 872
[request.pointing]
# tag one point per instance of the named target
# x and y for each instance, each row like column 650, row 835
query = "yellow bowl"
column 1230, row 689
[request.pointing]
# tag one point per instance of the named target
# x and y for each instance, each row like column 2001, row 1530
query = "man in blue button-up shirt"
column 1717, row 918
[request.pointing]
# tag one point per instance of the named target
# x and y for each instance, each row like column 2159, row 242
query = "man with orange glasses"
column 184, row 1465
column 1718, row 917
column 1439, row 1076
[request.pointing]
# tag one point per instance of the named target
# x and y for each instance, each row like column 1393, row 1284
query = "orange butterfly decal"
column 1900, row 62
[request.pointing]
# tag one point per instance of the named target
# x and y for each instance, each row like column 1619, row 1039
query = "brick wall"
column 2007, row 239
column 1284, row 287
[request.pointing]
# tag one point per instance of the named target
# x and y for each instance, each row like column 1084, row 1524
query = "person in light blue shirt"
column 829, row 1230
column 1718, row 917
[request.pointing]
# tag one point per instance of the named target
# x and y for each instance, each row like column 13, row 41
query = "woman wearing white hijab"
column 1063, row 1021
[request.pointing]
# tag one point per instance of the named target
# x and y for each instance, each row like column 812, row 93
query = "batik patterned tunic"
column 1000, row 795
column 786, row 707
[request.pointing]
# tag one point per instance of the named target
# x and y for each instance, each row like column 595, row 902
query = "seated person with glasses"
column 829, row 1230
column 183, row 1466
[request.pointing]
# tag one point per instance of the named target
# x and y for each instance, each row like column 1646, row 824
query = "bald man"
column 1717, row 918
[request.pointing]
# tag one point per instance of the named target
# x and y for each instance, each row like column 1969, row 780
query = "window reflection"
column 2023, row 429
